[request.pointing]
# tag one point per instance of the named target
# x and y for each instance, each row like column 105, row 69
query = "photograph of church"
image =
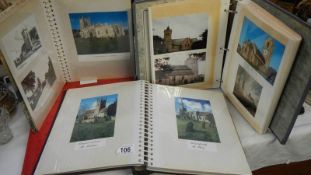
column 195, row 120
column 95, row 118
column 180, row 69
column 260, row 50
column 100, row 32
column 23, row 42
column 180, row 33
column 247, row 90
column 39, row 81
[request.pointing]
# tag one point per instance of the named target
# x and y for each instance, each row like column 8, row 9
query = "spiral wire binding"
column 57, row 41
column 146, row 124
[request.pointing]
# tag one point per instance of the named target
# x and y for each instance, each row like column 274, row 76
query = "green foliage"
column 112, row 109
column 197, row 131
column 189, row 127
column 102, row 45
column 88, row 131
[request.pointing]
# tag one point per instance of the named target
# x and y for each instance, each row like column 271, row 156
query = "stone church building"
column 260, row 60
column 89, row 30
column 173, row 45
column 181, row 74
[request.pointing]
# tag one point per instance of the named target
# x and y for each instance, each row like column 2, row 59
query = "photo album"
column 184, row 51
column 46, row 43
column 138, row 123
column 176, row 113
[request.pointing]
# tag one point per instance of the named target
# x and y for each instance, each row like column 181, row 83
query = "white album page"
column 96, row 37
column 96, row 127
column 194, row 133
column 30, row 56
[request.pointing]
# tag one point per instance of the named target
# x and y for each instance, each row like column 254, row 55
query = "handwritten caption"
column 201, row 146
column 91, row 144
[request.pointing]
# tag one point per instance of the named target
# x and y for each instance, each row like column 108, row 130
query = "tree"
column 112, row 109
column 201, row 44
column 50, row 74
column 204, row 36
column 162, row 64
column 29, row 83
column 189, row 127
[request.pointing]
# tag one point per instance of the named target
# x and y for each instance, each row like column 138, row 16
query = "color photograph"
column 180, row 68
column 180, row 33
column 260, row 50
column 38, row 82
column 100, row 32
column 22, row 42
column 247, row 91
column 95, row 118
column 195, row 120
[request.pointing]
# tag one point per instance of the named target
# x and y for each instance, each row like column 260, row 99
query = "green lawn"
column 209, row 134
column 102, row 45
column 89, row 131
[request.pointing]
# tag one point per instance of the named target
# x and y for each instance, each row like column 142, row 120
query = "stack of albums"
column 160, row 126
column 185, row 51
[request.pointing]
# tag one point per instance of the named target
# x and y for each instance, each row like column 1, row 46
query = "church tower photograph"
column 260, row 50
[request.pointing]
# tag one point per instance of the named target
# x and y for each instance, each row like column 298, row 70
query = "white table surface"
column 12, row 154
column 261, row 150
column 265, row 150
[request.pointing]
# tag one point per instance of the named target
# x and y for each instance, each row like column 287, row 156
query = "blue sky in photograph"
column 192, row 104
column 120, row 18
column 89, row 103
column 253, row 33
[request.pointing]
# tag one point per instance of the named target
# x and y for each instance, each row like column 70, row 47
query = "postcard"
column 247, row 90
column 22, row 43
column 180, row 33
column 39, row 81
column 100, row 33
column 95, row 118
column 195, row 120
column 180, row 68
column 260, row 50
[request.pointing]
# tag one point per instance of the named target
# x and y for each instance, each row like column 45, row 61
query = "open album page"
column 96, row 127
column 262, row 51
column 97, row 37
column 185, row 41
column 25, row 43
column 194, row 133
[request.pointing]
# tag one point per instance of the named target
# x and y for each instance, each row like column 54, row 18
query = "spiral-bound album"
column 136, row 123
column 46, row 43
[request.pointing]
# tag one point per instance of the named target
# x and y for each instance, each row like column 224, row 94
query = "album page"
column 96, row 38
column 261, row 52
column 96, row 128
column 194, row 133
column 186, row 39
column 31, row 58
column 141, row 33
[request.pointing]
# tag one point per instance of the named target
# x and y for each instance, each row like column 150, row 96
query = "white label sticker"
column 202, row 146
column 125, row 149
column 90, row 144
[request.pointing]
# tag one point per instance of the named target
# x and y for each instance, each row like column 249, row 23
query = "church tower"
column 27, row 40
column 268, row 51
column 84, row 22
column 168, row 42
